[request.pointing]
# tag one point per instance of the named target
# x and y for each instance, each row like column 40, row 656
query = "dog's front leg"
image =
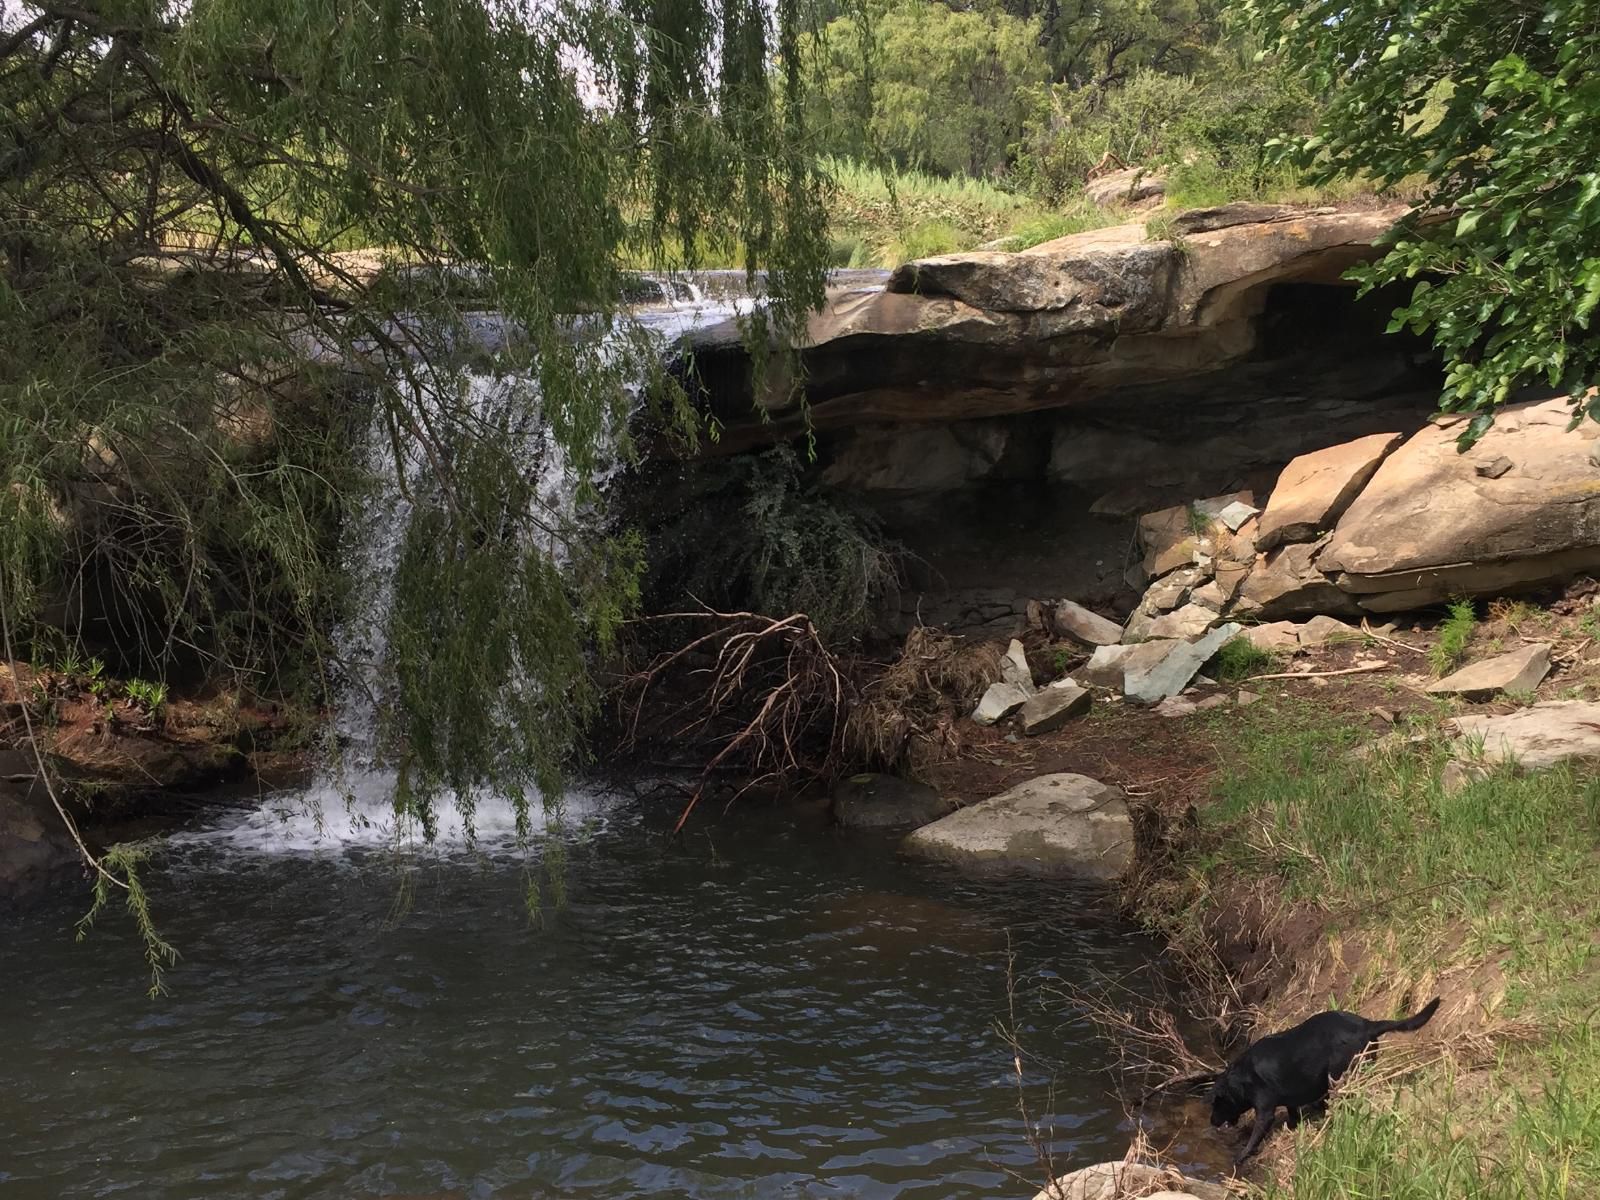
column 1258, row 1133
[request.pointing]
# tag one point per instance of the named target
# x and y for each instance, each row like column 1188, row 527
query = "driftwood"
column 763, row 694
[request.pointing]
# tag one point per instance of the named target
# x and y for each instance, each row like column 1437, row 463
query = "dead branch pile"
column 759, row 701
column 908, row 714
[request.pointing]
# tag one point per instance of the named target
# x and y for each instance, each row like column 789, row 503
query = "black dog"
column 1294, row 1068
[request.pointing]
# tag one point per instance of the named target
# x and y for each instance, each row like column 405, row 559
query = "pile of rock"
column 1040, row 710
column 1384, row 523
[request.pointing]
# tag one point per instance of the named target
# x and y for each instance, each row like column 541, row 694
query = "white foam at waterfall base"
column 351, row 806
column 330, row 817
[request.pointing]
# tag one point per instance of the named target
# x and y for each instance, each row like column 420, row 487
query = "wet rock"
column 1429, row 526
column 998, row 703
column 887, row 802
column 34, row 846
column 1056, row 825
column 1118, row 1180
column 1090, row 628
column 1535, row 738
column 1521, row 670
column 1053, row 707
column 1177, row 666
column 1314, row 490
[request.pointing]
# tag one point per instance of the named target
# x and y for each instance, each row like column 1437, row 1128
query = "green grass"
column 1502, row 870
column 1454, row 636
column 1241, row 658
column 887, row 220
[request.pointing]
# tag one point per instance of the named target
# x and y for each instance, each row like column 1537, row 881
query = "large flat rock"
column 1520, row 670
column 1534, row 738
column 1432, row 525
column 1057, row 825
column 1314, row 490
column 986, row 333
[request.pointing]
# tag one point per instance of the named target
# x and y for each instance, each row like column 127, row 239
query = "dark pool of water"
column 765, row 1009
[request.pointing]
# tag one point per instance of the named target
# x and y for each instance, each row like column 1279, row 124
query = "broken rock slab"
column 1275, row 637
column 1109, row 665
column 1055, row 826
column 998, row 703
column 1014, row 668
column 1535, row 738
column 1190, row 621
column 1082, row 625
column 1322, row 630
column 1176, row 667
column 1521, row 670
column 1053, row 707
column 1314, row 490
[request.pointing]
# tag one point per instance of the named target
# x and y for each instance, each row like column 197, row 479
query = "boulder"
column 1287, row 583
column 1521, row 670
column 1014, row 668
column 1054, row 707
column 1276, row 637
column 886, row 802
column 1090, row 628
column 1429, row 526
column 1314, row 490
column 1119, row 1180
column 1134, row 185
column 1535, row 738
column 998, row 703
column 33, row 844
column 1175, row 669
column 1056, row 825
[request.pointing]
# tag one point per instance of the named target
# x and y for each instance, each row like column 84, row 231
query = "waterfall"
column 349, row 803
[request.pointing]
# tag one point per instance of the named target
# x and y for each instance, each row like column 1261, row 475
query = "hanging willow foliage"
column 190, row 354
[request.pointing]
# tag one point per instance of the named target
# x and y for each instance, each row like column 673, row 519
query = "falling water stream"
column 765, row 1007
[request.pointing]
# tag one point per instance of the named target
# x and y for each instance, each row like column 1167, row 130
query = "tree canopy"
column 1491, row 109
column 946, row 85
column 186, row 341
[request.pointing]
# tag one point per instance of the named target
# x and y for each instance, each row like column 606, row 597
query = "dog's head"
column 1226, row 1104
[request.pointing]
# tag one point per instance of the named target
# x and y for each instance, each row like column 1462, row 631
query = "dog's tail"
column 1189, row 1085
column 1414, row 1022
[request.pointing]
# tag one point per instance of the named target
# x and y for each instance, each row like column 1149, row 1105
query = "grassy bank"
column 1381, row 887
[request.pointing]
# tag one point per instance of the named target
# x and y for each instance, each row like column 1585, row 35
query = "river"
column 766, row 1007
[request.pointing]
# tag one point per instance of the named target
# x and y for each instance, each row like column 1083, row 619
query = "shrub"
column 1455, row 633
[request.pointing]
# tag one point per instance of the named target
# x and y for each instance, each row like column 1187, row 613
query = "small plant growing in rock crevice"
column 1241, row 658
column 1455, row 634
